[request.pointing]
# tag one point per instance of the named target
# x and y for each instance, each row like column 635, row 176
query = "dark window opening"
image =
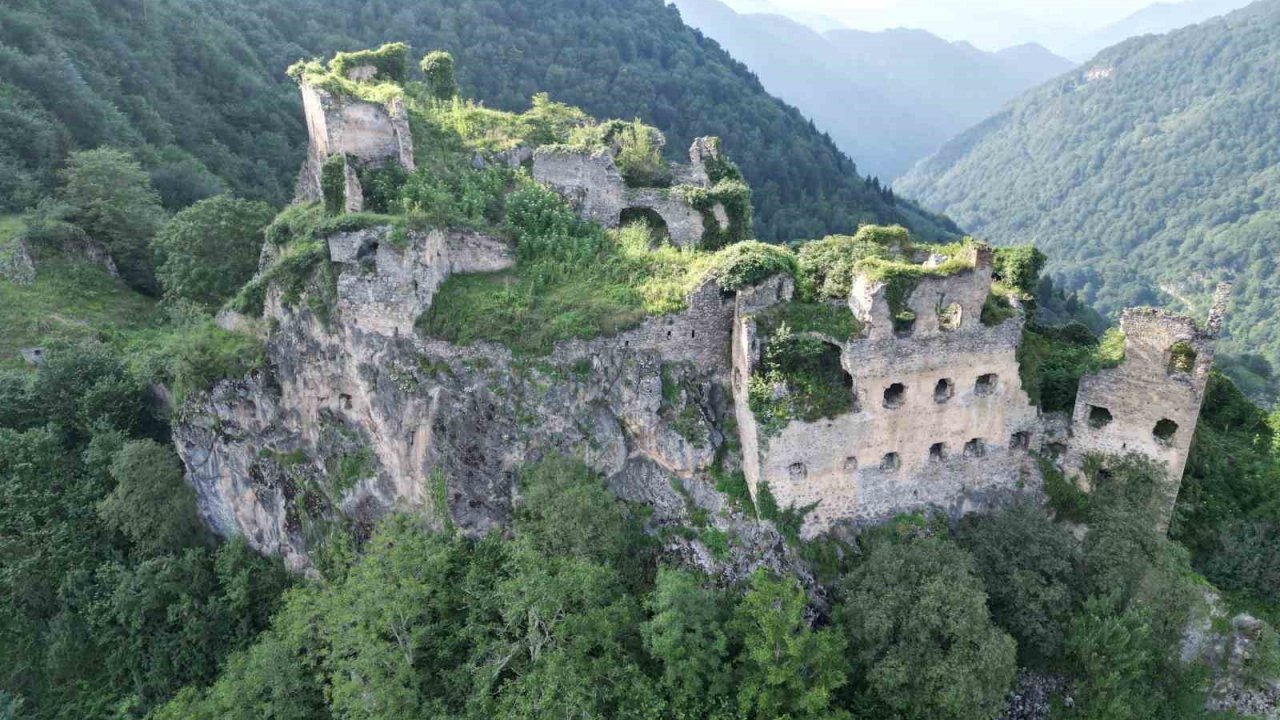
column 986, row 384
column 975, row 448
column 658, row 231
column 895, row 395
column 890, row 462
column 851, row 463
column 345, row 401
column 904, row 323
column 1020, row 441
column 798, row 471
column 1099, row 417
column 1165, row 430
column 938, row 451
column 943, row 391
column 693, row 333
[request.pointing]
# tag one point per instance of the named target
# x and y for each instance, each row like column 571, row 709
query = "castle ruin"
column 939, row 416
column 935, row 417
column 365, row 134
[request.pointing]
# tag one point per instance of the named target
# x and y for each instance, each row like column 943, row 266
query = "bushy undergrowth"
column 1052, row 360
column 800, row 378
column 832, row 319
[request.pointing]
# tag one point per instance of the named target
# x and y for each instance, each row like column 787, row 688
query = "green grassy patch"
column 68, row 302
column 595, row 283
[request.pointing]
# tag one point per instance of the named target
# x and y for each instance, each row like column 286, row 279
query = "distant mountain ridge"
column 1160, row 18
column 887, row 98
column 1148, row 176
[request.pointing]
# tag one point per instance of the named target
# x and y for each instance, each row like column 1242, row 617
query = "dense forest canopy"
column 198, row 90
column 1148, row 177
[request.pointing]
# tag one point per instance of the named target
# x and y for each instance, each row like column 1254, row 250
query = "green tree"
column 921, row 635
column 111, row 198
column 786, row 668
column 688, row 634
column 1031, row 568
column 151, row 504
column 207, row 252
column 437, row 67
column 1112, row 655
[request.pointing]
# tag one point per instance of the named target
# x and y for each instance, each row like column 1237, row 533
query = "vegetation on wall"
column 799, row 378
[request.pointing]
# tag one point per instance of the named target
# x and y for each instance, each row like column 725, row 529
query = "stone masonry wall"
column 957, row 436
column 591, row 182
column 368, row 133
column 1146, row 405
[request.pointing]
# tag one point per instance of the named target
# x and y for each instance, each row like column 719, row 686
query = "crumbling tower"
column 1148, row 404
column 365, row 134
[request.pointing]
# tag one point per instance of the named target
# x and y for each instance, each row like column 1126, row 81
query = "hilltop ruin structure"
column 358, row 415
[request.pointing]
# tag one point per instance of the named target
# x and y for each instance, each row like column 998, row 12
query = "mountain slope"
column 1148, row 176
column 887, row 98
column 1156, row 19
column 155, row 77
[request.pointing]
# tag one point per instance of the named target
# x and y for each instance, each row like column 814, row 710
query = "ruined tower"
column 364, row 134
column 1150, row 402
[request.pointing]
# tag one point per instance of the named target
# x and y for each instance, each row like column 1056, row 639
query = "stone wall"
column 592, row 184
column 940, row 418
column 368, row 134
column 1147, row 404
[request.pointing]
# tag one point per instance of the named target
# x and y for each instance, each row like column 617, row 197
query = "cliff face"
column 361, row 417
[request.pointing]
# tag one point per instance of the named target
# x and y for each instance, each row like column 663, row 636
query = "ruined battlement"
column 590, row 180
column 939, row 417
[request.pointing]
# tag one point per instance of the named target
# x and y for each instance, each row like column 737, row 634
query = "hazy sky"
column 990, row 24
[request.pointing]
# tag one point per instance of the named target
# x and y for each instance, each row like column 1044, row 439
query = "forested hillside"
column 888, row 98
column 197, row 90
column 1147, row 177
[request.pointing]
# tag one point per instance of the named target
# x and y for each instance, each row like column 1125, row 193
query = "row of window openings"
column 1163, row 432
column 938, row 452
column 896, row 394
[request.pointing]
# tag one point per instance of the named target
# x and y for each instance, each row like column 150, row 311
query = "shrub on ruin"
column 1019, row 268
column 800, row 378
column 730, row 195
column 391, row 61
column 438, row 74
column 750, row 263
column 639, row 156
column 333, row 184
column 827, row 266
